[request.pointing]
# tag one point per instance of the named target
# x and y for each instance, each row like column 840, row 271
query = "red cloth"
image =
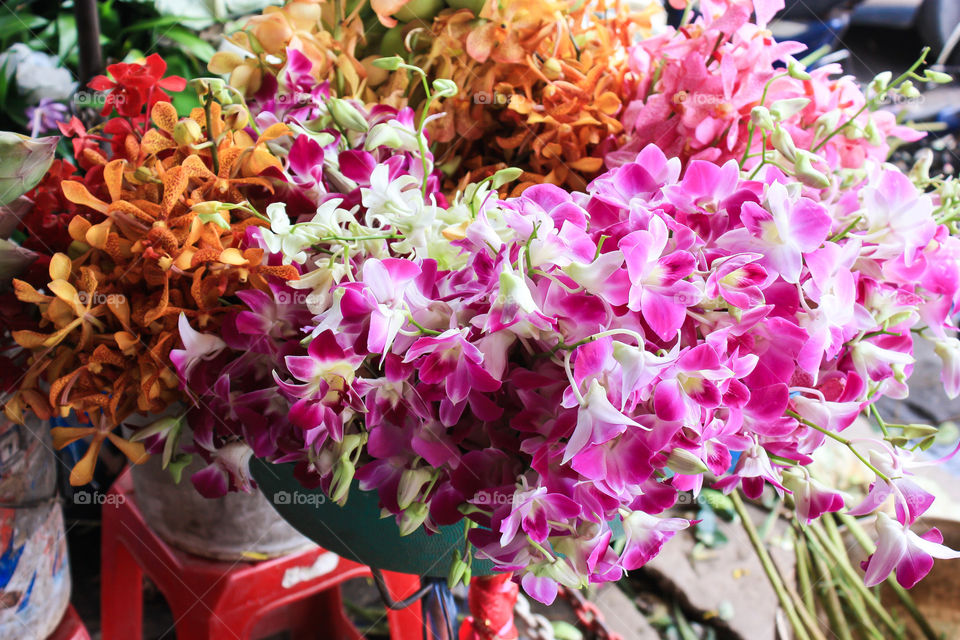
column 491, row 599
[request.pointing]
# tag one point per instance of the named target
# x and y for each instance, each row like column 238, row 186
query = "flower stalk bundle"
column 661, row 264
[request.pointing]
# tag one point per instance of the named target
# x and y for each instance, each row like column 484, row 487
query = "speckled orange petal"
column 174, row 184
column 154, row 142
column 77, row 193
column 195, row 168
column 164, row 115
column 113, row 177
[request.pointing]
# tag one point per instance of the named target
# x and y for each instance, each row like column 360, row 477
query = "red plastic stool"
column 211, row 600
column 71, row 627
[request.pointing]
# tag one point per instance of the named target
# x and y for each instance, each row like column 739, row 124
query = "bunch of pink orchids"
column 711, row 311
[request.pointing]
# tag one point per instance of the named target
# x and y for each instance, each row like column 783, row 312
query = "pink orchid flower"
column 657, row 288
column 782, row 231
column 900, row 549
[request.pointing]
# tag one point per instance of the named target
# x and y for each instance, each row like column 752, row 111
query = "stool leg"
column 121, row 591
column 405, row 624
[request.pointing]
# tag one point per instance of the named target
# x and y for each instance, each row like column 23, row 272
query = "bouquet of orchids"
column 740, row 278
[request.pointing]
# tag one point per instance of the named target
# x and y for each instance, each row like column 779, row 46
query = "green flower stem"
column 803, row 572
column 828, row 592
column 867, row 544
column 851, row 595
column 841, row 440
column 214, row 154
column 842, row 561
column 850, row 227
column 769, row 568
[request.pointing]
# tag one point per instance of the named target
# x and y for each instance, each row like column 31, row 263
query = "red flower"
column 80, row 139
column 135, row 85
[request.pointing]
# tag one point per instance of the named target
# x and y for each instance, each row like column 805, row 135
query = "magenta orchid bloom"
column 743, row 281
column 900, row 549
column 657, row 288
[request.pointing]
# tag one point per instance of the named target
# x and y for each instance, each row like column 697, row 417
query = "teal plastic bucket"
column 356, row 531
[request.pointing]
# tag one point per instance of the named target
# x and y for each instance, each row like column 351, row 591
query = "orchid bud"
column 387, row 135
column 23, row 163
column 796, row 70
column 851, row 177
column 505, row 176
column 685, row 463
column 909, row 90
column 207, row 207
column 346, row 115
column 411, row 482
column 236, row 116
column 937, row 76
column 514, row 296
column 551, row 69
column 203, row 86
column 143, row 174
column 187, row 131
column 444, row 88
column 390, row 64
column 457, row 569
column 343, row 472
column 807, row 174
column 785, row 109
column 760, row 117
column 914, row 431
column 783, row 142
column 852, row 131
column 826, row 123
column 412, row 517
column 561, row 571
column 948, row 350
column 881, row 82
column 920, row 171
column 872, row 133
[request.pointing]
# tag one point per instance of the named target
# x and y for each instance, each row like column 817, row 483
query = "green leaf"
column 66, row 35
column 191, row 43
column 152, row 23
column 15, row 24
column 171, row 443
column 159, row 426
